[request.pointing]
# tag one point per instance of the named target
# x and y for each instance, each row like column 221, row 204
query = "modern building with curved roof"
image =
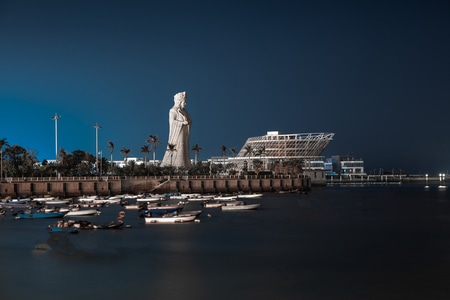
column 287, row 146
column 277, row 147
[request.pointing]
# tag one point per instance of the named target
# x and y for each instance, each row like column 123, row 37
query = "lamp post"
column 55, row 118
column 96, row 126
column 101, row 161
column 1, row 164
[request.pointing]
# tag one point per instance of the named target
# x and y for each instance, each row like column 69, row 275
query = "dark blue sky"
column 376, row 73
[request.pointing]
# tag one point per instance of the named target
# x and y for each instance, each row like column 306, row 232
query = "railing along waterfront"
column 173, row 177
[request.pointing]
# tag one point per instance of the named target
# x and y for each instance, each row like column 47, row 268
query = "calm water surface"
column 352, row 242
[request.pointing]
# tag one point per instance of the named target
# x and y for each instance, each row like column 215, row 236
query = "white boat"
column 171, row 218
column 225, row 198
column 87, row 198
column 212, row 204
column 82, row 212
column 133, row 206
column 201, row 198
column 43, row 199
column 239, row 205
column 248, row 196
column 106, row 201
column 57, row 202
column 150, row 198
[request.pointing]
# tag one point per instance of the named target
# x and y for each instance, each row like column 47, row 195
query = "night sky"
column 376, row 73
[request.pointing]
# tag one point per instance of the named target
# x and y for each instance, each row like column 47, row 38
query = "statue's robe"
column 179, row 136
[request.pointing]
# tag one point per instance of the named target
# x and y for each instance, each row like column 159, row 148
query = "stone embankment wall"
column 104, row 186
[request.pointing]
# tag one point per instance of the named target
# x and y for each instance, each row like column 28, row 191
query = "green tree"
column 146, row 151
column 155, row 141
column 125, row 151
column 20, row 161
column 111, row 151
column 3, row 143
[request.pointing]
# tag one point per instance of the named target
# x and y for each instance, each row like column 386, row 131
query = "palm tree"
column 155, row 141
column 111, row 150
column 196, row 150
column 125, row 151
column 3, row 143
column 224, row 152
column 171, row 148
column 233, row 151
column 146, row 151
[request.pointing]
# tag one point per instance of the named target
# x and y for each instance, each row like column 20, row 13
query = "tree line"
column 17, row 161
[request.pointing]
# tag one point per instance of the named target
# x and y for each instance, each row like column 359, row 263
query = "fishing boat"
column 83, row 224
column 60, row 229
column 40, row 215
column 163, row 209
column 239, row 205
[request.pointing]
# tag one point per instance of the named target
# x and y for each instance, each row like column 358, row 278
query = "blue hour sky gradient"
column 376, row 73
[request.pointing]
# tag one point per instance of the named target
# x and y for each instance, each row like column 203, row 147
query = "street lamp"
column 96, row 126
column 55, row 118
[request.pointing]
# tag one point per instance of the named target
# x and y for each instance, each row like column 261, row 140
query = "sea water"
column 337, row 242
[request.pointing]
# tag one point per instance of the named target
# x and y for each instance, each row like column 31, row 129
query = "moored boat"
column 249, row 196
column 239, row 205
column 212, row 204
column 170, row 218
column 82, row 212
column 40, row 215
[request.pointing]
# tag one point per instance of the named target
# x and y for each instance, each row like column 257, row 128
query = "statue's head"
column 180, row 98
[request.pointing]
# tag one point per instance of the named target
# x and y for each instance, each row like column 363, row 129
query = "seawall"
column 112, row 185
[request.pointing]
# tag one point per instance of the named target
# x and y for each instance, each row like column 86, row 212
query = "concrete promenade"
column 114, row 185
column 441, row 179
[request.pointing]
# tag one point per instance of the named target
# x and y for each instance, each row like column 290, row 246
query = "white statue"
column 177, row 152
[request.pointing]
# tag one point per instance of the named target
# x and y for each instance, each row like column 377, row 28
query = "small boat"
column 225, row 198
column 214, row 204
column 43, row 199
column 57, row 202
column 170, row 218
column 134, row 206
column 151, row 198
column 61, row 229
column 247, row 196
column 40, row 215
column 239, row 205
column 163, row 209
column 83, row 224
column 16, row 204
column 82, row 212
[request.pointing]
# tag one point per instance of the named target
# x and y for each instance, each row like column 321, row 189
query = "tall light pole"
column 96, row 126
column 55, row 118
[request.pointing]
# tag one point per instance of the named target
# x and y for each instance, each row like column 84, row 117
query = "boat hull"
column 170, row 219
column 41, row 215
column 82, row 212
column 240, row 207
